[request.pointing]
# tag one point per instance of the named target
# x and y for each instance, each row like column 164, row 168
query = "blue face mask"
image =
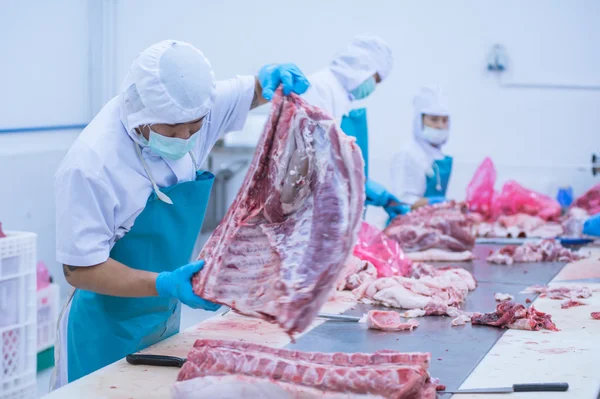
column 364, row 89
column 170, row 147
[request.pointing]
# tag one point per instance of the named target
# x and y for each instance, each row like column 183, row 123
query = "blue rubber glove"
column 591, row 226
column 377, row 195
column 565, row 196
column 395, row 210
column 288, row 75
column 178, row 284
column 436, row 200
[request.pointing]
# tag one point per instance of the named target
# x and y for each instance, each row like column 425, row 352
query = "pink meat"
column 570, row 303
column 283, row 243
column 595, row 315
column 533, row 251
column 516, row 316
column 590, row 201
column 389, row 321
column 443, row 226
column 570, row 292
column 387, row 373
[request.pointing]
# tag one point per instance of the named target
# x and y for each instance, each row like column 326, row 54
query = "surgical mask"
column 364, row 89
column 171, row 148
column 435, row 136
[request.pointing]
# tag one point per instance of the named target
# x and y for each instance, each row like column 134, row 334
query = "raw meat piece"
column 573, row 222
column 356, row 272
column 590, row 201
column 516, row 316
column 569, row 303
column 533, row 251
column 460, row 317
column 498, row 296
column 389, row 321
column 440, row 255
column 387, row 373
column 570, row 292
column 595, row 315
column 2, row 235
column 520, row 225
column 434, row 295
column 446, row 227
column 283, row 243
column 414, row 313
column 384, row 253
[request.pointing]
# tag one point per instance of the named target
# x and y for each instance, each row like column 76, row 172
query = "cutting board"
column 121, row 380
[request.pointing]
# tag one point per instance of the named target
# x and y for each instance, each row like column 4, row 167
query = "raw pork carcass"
column 435, row 295
column 443, row 229
column 389, row 321
column 516, row 316
column 283, row 243
column 534, row 251
column 520, row 225
column 356, row 272
column 590, row 201
column 389, row 374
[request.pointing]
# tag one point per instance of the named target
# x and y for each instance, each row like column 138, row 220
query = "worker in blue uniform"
column 130, row 201
column 421, row 172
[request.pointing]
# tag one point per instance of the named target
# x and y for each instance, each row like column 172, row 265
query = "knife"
column 154, row 360
column 543, row 387
column 339, row 317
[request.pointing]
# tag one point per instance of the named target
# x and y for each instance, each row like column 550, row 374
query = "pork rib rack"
column 284, row 241
column 389, row 374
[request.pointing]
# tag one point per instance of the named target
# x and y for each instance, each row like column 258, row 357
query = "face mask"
column 170, row 147
column 435, row 136
column 364, row 89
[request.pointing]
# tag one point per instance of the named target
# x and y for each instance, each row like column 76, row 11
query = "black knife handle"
column 154, row 360
column 544, row 387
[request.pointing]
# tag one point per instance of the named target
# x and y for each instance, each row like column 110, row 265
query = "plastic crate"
column 48, row 302
column 18, row 334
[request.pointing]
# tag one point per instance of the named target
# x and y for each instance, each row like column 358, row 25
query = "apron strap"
column 161, row 196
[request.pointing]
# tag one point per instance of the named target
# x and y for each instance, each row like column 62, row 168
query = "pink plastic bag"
column 43, row 276
column 480, row 191
column 384, row 253
column 515, row 198
column 590, row 201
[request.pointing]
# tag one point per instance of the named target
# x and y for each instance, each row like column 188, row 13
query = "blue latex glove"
column 288, row 75
column 395, row 210
column 178, row 284
column 436, row 200
column 592, row 226
column 565, row 196
column 377, row 195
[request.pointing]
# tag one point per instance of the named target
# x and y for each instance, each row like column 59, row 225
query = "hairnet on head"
column 169, row 82
column 365, row 56
column 430, row 100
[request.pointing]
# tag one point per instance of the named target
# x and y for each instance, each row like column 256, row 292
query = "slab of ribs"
column 240, row 368
column 283, row 243
column 440, row 232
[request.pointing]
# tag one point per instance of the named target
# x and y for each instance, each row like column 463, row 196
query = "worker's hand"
column 288, row 75
column 421, row 202
column 394, row 209
column 178, row 284
column 377, row 195
column 436, row 200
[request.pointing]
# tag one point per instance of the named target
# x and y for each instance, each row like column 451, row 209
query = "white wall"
column 52, row 75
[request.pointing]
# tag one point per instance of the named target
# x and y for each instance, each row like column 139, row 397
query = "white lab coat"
column 327, row 93
column 101, row 186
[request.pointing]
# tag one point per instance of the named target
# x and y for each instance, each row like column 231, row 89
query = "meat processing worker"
column 420, row 172
column 131, row 198
column 353, row 75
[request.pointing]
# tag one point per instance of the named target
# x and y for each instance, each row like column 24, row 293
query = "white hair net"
column 365, row 56
column 429, row 101
column 169, row 82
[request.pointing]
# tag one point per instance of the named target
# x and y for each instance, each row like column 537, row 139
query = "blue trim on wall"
column 42, row 128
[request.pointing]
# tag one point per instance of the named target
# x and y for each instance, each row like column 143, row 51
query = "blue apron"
column 103, row 329
column 355, row 124
column 437, row 185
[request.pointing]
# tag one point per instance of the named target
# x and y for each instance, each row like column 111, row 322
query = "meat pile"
column 520, row 225
column 281, row 373
column 534, row 251
column 356, row 272
column 570, row 295
column 435, row 292
column 441, row 232
column 283, row 243
column 389, row 321
column 516, row 316
column 590, row 201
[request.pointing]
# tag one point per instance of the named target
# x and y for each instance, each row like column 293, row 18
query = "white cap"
column 169, row 82
column 365, row 56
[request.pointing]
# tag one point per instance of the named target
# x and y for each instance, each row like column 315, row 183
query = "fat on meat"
column 283, row 243
column 557, row 293
column 445, row 227
column 356, row 272
column 389, row 321
column 387, row 373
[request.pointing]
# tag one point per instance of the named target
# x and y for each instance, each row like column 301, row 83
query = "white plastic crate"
column 48, row 302
column 18, row 336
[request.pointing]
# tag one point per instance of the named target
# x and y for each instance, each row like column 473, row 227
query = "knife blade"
column 154, row 360
column 543, row 387
column 339, row 317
